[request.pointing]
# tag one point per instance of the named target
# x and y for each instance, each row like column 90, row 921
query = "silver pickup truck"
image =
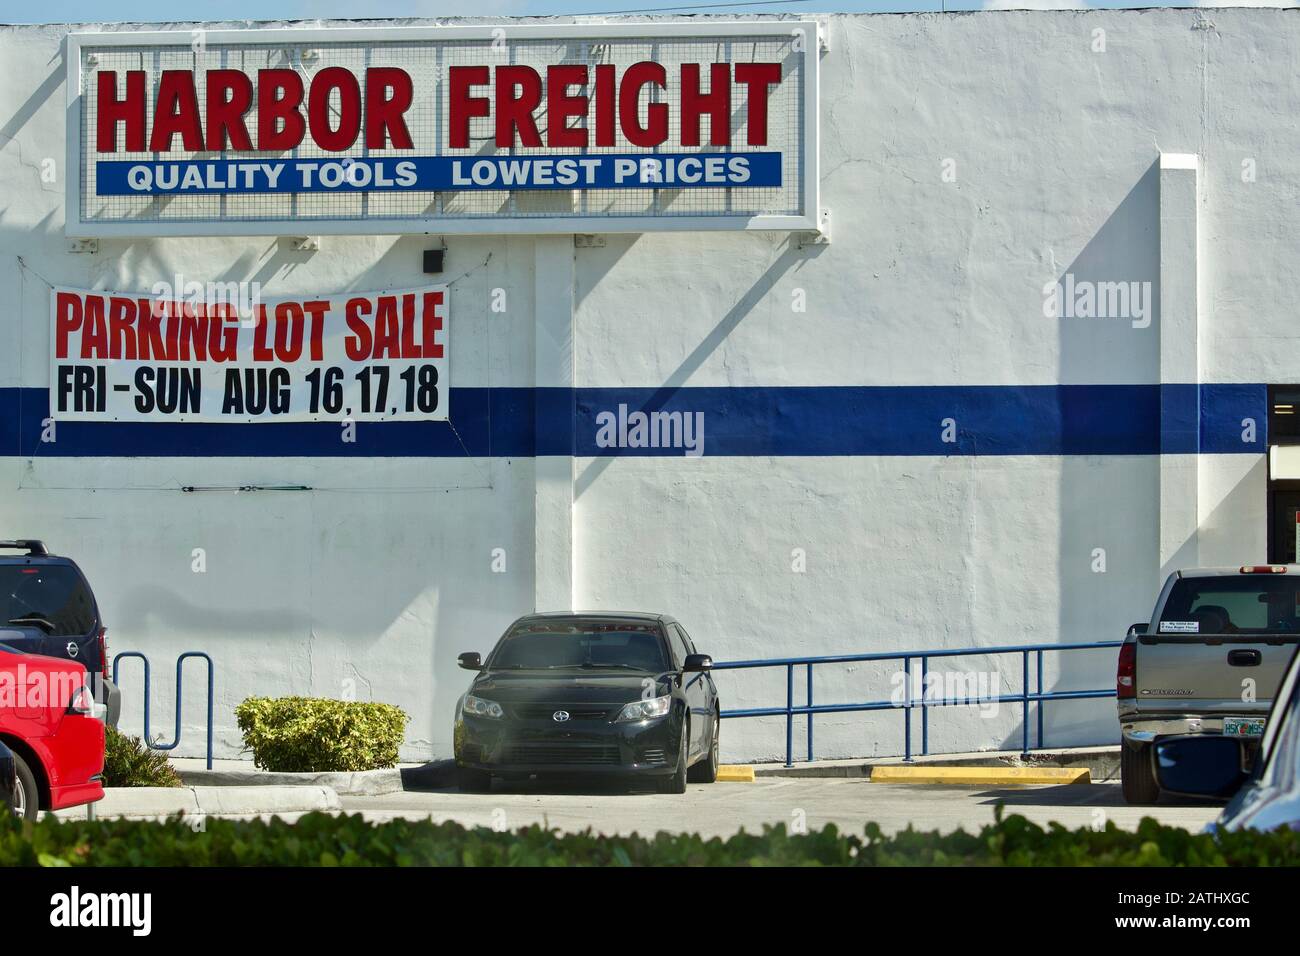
column 1208, row 662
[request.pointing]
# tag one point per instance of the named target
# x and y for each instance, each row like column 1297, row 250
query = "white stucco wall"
column 374, row 581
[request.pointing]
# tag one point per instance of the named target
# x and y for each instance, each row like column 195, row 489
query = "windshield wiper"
column 591, row 665
column 34, row 619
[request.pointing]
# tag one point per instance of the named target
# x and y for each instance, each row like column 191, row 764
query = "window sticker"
column 1180, row 627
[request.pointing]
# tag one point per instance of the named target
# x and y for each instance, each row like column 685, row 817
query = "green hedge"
column 129, row 763
column 324, row 840
column 315, row 734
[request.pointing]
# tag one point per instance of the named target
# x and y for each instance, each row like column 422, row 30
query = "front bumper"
column 512, row 746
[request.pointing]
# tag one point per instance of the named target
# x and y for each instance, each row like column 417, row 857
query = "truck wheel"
column 1137, row 774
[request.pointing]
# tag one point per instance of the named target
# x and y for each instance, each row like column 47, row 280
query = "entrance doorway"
column 1283, row 472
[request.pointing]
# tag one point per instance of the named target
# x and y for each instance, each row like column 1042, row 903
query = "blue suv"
column 47, row 607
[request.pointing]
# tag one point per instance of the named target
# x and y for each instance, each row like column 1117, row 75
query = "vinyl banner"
column 218, row 354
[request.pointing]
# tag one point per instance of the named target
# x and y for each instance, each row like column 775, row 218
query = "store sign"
column 204, row 355
column 512, row 128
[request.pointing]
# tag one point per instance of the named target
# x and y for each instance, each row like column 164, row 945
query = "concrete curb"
column 158, row 802
column 1101, row 762
column 982, row 776
column 736, row 773
column 364, row 783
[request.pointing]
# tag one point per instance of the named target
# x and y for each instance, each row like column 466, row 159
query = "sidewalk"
column 241, row 773
column 1103, row 762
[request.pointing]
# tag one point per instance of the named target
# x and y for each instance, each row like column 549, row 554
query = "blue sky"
column 90, row 11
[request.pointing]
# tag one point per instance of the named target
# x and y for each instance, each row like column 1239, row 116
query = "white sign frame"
column 809, row 191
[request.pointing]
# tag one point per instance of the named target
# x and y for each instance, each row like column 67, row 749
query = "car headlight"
column 645, row 709
column 478, row 707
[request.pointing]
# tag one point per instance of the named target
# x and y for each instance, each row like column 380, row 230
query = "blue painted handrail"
column 179, row 697
column 1025, row 698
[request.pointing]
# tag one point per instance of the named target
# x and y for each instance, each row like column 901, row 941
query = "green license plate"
column 1243, row 726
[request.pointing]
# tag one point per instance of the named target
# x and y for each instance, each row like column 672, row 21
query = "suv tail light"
column 83, row 701
column 1263, row 569
column 1126, row 672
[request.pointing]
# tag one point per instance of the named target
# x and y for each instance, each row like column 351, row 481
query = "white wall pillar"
column 554, row 462
column 1179, row 367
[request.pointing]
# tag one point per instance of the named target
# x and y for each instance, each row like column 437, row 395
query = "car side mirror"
column 697, row 662
column 1200, row 766
column 471, row 661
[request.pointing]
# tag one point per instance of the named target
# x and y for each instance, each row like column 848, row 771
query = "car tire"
column 1137, row 774
column 677, row 782
column 706, row 771
column 473, row 781
column 27, row 794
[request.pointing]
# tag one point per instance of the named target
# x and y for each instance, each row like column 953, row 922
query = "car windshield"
column 1249, row 604
column 51, row 598
column 586, row 644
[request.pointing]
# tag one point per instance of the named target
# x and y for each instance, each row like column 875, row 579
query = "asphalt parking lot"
column 722, row 809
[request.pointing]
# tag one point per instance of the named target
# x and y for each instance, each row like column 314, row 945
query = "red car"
column 51, row 722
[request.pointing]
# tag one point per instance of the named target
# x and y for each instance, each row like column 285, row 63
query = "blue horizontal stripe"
column 437, row 173
column 1227, row 414
column 812, row 421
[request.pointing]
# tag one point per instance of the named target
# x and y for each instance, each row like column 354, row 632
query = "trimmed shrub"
column 315, row 734
column 319, row 839
column 129, row 763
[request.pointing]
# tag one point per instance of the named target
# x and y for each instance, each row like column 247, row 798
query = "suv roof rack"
column 30, row 545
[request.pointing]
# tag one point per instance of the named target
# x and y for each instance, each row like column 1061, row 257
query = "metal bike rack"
column 180, row 687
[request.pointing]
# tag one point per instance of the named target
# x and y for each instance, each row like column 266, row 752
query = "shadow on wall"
column 789, row 259
column 44, row 92
column 315, row 594
column 598, row 262
column 389, row 617
column 1108, row 544
column 1220, row 537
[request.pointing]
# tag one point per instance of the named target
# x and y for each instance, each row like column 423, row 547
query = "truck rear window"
column 1249, row 604
column 51, row 598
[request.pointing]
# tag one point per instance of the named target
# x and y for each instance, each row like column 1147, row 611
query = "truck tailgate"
column 1228, row 673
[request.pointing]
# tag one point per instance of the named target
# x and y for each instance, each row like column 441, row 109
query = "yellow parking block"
column 981, row 776
column 736, row 773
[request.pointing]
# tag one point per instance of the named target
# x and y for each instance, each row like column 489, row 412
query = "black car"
column 11, row 799
column 589, row 693
column 47, row 607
